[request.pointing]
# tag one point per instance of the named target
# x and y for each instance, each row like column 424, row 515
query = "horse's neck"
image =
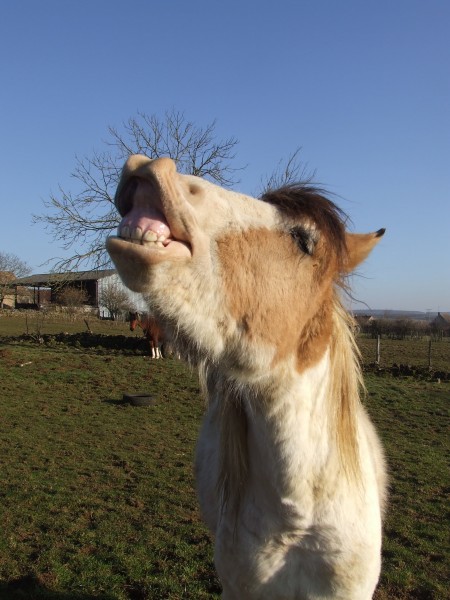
column 144, row 325
column 275, row 439
column 288, row 432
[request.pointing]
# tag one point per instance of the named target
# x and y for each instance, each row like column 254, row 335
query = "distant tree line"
column 400, row 329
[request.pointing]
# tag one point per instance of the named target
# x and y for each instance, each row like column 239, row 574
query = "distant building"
column 43, row 289
column 7, row 298
column 442, row 322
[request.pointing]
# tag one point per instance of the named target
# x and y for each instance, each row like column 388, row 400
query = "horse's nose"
column 142, row 166
column 163, row 167
column 156, row 171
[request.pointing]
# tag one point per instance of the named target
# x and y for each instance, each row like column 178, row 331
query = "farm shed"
column 45, row 287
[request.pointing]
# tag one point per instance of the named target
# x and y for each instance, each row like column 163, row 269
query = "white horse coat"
column 290, row 473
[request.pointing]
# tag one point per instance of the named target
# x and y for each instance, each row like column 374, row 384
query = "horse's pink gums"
column 147, row 219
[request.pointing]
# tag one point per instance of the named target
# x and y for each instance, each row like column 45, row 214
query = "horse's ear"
column 359, row 246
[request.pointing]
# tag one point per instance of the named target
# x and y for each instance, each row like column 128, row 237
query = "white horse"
column 290, row 472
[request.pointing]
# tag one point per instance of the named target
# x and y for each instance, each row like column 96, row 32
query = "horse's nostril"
column 124, row 201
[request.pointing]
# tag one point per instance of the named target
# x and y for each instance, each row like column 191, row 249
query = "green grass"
column 413, row 420
column 97, row 498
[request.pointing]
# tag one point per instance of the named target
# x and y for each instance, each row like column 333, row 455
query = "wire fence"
column 432, row 354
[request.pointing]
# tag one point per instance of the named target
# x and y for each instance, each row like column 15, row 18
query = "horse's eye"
column 304, row 238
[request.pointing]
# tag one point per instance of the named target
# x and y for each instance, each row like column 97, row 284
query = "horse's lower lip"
column 150, row 253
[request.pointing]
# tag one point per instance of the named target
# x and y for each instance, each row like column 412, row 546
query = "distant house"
column 44, row 289
column 7, row 297
column 442, row 322
column 364, row 322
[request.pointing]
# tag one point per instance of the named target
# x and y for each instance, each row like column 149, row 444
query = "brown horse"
column 152, row 331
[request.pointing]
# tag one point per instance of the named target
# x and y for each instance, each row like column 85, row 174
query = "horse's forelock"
column 303, row 201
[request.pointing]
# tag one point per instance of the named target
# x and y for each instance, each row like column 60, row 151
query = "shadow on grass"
column 115, row 401
column 123, row 344
column 28, row 587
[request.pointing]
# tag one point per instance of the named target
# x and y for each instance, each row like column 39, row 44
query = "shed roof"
column 47, row 279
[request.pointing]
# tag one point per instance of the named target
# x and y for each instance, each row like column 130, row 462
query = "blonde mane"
column 346, row 383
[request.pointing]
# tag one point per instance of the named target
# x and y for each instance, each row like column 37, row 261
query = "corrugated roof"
column 45, row 279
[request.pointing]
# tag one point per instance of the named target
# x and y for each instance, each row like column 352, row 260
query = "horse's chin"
column 133, row 267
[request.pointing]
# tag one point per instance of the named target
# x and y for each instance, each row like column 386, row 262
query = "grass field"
column 34, row 322
column 97, row 497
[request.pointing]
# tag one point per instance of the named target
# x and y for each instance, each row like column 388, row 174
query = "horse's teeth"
column 137, row 236
column 136, row 233
column 150, row 236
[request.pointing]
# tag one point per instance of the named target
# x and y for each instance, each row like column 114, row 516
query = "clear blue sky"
column 363, row 87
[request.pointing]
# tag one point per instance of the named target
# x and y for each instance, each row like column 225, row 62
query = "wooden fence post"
column 429, row 355
column 378, row 349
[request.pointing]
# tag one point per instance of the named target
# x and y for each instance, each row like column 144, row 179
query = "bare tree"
column 287, row 171
column 11, row 268
column 80, row 221
column 114, row 297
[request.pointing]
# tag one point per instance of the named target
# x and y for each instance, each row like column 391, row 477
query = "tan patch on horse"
column 275, row 295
